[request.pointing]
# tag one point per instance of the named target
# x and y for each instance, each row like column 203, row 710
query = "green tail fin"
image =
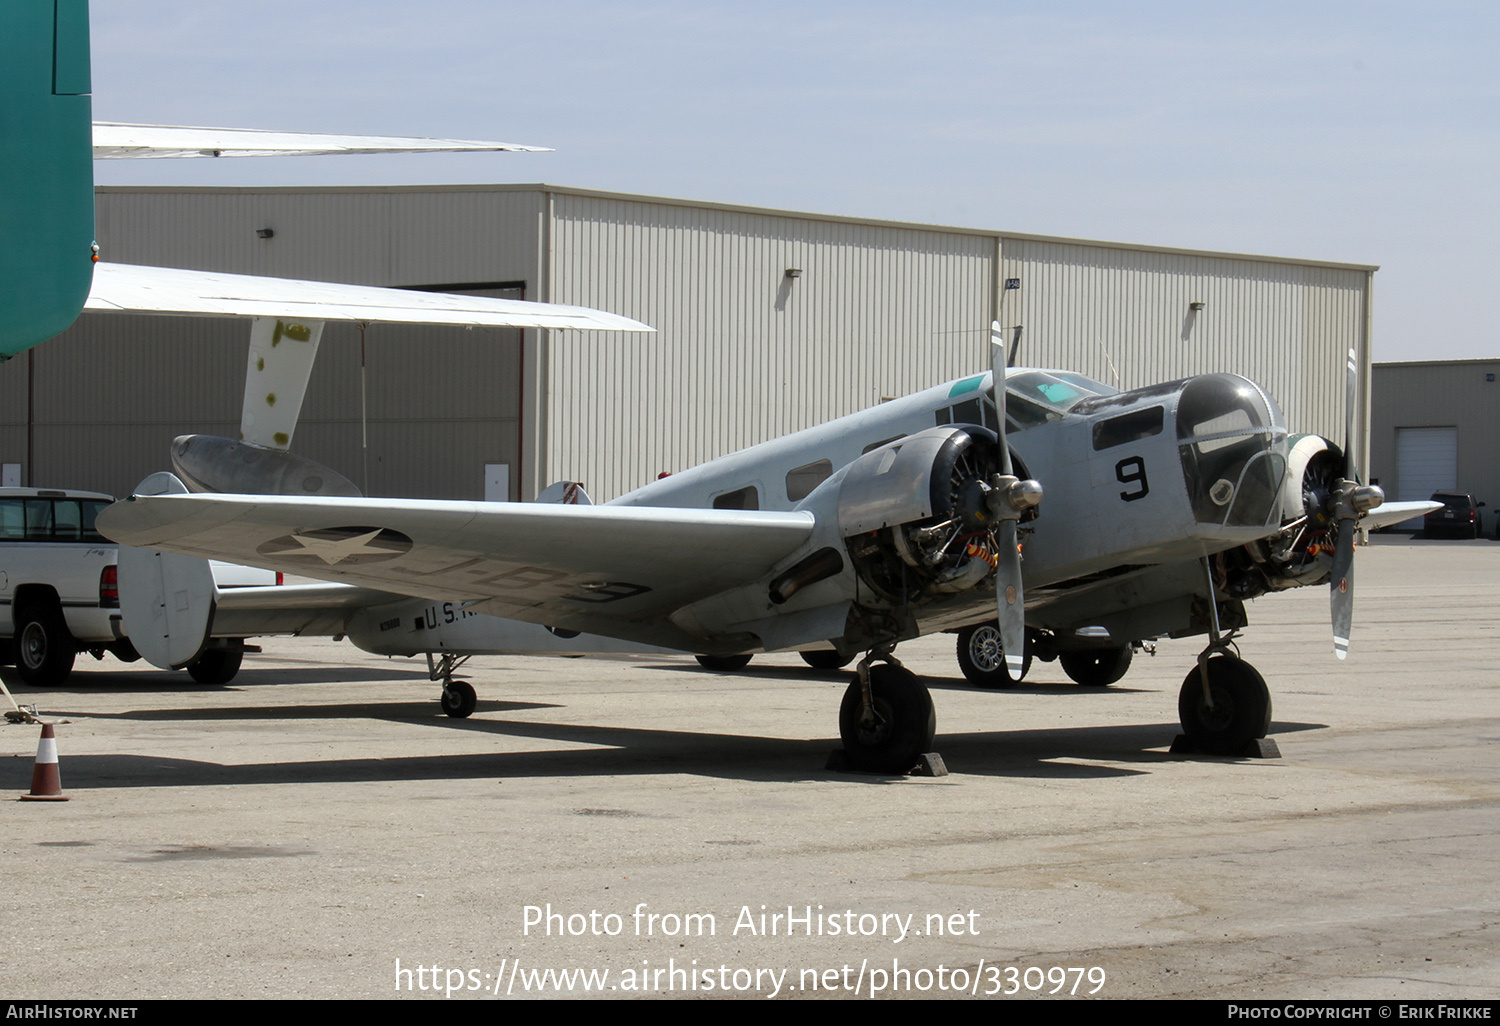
column 46, row 169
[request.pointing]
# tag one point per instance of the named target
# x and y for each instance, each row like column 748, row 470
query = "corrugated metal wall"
column 1459, row 393
column 1124, row 314
column 744, row 353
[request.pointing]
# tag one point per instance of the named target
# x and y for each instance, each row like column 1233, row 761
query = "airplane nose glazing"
column 1232, row 439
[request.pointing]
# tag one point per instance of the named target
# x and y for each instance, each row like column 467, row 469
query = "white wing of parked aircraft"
column 131, row 288
column 115, row 140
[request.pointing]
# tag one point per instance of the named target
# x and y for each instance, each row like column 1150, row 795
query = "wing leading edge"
column 113, row 140
column 613, row 570
column 132, row 288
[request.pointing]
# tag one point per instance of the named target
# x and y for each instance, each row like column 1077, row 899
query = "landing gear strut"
column 458, row 698
column 886, row 719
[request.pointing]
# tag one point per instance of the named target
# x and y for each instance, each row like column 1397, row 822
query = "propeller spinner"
column 1008, row 497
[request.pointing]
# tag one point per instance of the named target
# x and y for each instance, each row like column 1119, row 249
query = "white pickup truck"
column 59, row 589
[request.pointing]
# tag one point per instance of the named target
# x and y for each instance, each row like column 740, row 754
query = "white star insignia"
column 336, row 550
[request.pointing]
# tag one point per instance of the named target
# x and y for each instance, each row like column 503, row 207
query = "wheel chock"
column 1260, row 748
column 929, row 764
column 46, row 781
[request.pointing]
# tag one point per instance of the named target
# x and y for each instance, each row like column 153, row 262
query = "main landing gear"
column 458, row 698
column 1224, row 704
column 886, row 720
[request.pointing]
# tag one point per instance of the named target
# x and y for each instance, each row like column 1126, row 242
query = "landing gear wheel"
column 1241, row 712
column 217, row 665
column 904, row 726
column 982, row 659
column 44, row 648
column 458, row 699
column 1096, row 667
column 724, row 664
column 825, row 659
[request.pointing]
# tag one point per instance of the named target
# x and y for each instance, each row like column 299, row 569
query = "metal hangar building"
column 767, row 321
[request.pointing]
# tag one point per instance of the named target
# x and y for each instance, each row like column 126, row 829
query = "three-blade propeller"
column 1008, row 497
column 1348, row 502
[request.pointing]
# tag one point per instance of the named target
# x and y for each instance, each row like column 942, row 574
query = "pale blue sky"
column 1361, row 132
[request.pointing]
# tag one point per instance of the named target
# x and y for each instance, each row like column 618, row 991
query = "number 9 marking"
column 1136, row 468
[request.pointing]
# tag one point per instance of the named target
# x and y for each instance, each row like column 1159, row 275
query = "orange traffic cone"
column 46, row 781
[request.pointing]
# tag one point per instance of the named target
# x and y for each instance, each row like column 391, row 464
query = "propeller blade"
column 997, row 390
column 1010, row 600
column 1346, row 516
column 1341, row 589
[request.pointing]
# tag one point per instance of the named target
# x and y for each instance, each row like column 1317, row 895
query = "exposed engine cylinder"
column 914, row 516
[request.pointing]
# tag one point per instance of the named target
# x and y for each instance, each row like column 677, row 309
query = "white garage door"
column 1426, row 462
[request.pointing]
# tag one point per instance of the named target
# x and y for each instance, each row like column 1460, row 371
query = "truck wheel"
column 44, row 648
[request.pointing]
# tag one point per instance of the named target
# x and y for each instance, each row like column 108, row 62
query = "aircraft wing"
column 132, row 288
column 115, row 140
column 614, row 570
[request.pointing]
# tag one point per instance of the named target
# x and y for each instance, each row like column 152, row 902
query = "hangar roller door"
column 1426, row 462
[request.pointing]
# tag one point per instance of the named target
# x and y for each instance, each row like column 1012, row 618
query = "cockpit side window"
column 801, row 481
column 1129, row 427
column 742, row 498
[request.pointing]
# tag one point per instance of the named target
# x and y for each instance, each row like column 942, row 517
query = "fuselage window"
column 1128, row 427
column 744, row 498
column 801, row 481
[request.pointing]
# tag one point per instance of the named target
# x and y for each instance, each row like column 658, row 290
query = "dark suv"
column 1459, row 516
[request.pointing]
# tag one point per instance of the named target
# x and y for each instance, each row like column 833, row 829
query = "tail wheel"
column 1241, row 711
column 458, row 699
column 903, row 725
column 981, row 657
column 1096, row 667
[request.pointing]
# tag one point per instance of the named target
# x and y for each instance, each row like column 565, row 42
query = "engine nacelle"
column 207, row 463
column 913, row 513
column 1302, row 553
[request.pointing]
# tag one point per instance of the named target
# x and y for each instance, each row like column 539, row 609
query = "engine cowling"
column 1302, row 554
column 913, row 513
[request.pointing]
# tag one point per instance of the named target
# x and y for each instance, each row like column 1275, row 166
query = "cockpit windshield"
column 1061, row 390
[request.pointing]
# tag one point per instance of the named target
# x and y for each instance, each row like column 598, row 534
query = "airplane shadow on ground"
column 624, row 751
column 154, row 681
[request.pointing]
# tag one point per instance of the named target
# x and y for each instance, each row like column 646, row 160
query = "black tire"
column 1241, row 712
column 981, row 657
column 217, row 665
column 825, row 659
column 1096, row 667
column 905, row 722
column 724, row 664
column 44, row 648
column 459, row 700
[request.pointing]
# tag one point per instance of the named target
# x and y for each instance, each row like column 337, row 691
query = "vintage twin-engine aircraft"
column 1167, row 507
